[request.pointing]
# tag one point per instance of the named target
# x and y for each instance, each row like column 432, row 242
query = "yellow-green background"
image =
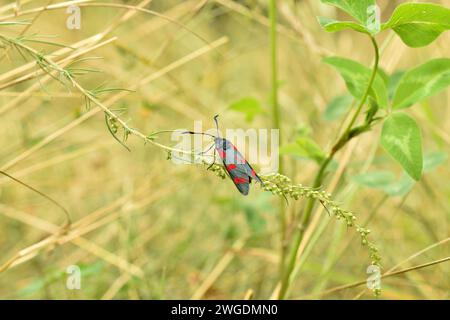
column 153, row 230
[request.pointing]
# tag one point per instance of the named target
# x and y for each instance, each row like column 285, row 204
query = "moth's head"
column 222, row 143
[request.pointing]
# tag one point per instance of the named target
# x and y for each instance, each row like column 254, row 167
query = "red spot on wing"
column 231, row 167
column 253, row 173
column 221, row 153
column 238, row 180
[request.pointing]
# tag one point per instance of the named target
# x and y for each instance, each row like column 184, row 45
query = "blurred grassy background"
column 148, row 229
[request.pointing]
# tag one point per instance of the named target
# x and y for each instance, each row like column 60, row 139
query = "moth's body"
column 239, row 170
column 237, row 167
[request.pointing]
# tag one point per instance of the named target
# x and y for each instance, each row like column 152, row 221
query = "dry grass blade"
column 216, row 271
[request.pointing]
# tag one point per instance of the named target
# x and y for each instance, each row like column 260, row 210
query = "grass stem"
column 341, row 142
column 276, row 123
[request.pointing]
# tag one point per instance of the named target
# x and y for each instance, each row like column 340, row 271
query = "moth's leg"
column 207, row 150
column 199, row 155
column 187, row 161
column 193, row 153
column 203, row 152
column 214, row 160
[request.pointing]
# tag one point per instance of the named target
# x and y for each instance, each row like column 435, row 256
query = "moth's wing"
column 233, row 156
column 240, row 179
column 232, row 161
column 251, row 172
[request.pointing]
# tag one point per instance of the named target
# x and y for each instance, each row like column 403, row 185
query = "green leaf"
column 304, row 147
column 292, row 149
column 400, row 187
column 356, row 8
column 311, row 148
column 249, row 106
column 386, row 181
column 432, row 160
column 383, row 74
column 422, row 82
column 401, row 138
column 338, row 107
column 332, row 25
column 357, row 76
column 375, row 179
column 394, row 81
column 419, row 24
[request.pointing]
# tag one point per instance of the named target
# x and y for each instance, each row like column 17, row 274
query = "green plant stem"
column 54, row 67
column 274, row 67
column 345, row 136
column 341, row 142
column 276, row 123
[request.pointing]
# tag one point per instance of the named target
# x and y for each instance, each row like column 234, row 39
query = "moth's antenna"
column 217, row 123
column 56, row 203
column 202, row 133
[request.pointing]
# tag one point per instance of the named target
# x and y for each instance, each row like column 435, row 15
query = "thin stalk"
column 387, row 275
column 54, row 67
column 86, row 3
column 366, row 94
column 341, row 142
column 276, row 122
column 274, row 68
column 56, row 203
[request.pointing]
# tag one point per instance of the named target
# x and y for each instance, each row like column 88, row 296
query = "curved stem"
column 56, row 203
column 90, row 97
column 366, row 94
column 342, row 141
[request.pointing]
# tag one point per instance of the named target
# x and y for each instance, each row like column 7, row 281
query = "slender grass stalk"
column 276, row 123
column 56, row 203
column 341, row 142
column 49, row 67
column 387, row 275
column 274, row 68
column 85, row 3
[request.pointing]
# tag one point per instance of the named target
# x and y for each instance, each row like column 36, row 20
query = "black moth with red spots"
column 239, row 170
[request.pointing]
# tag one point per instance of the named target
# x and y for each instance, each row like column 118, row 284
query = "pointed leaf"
column 419, row 24
column 338, row 107
column 432, row 160
column 249, row 106
column 401, row 138
column 356, row 8
column 400, row 187
column 375, row 179
column 332, row 25
column 422, row 82
column 311, row 148
column 357, row 76
column 304, row 147
column 394, row 81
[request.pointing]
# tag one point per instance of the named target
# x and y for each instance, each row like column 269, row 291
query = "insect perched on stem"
column 239, row 170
